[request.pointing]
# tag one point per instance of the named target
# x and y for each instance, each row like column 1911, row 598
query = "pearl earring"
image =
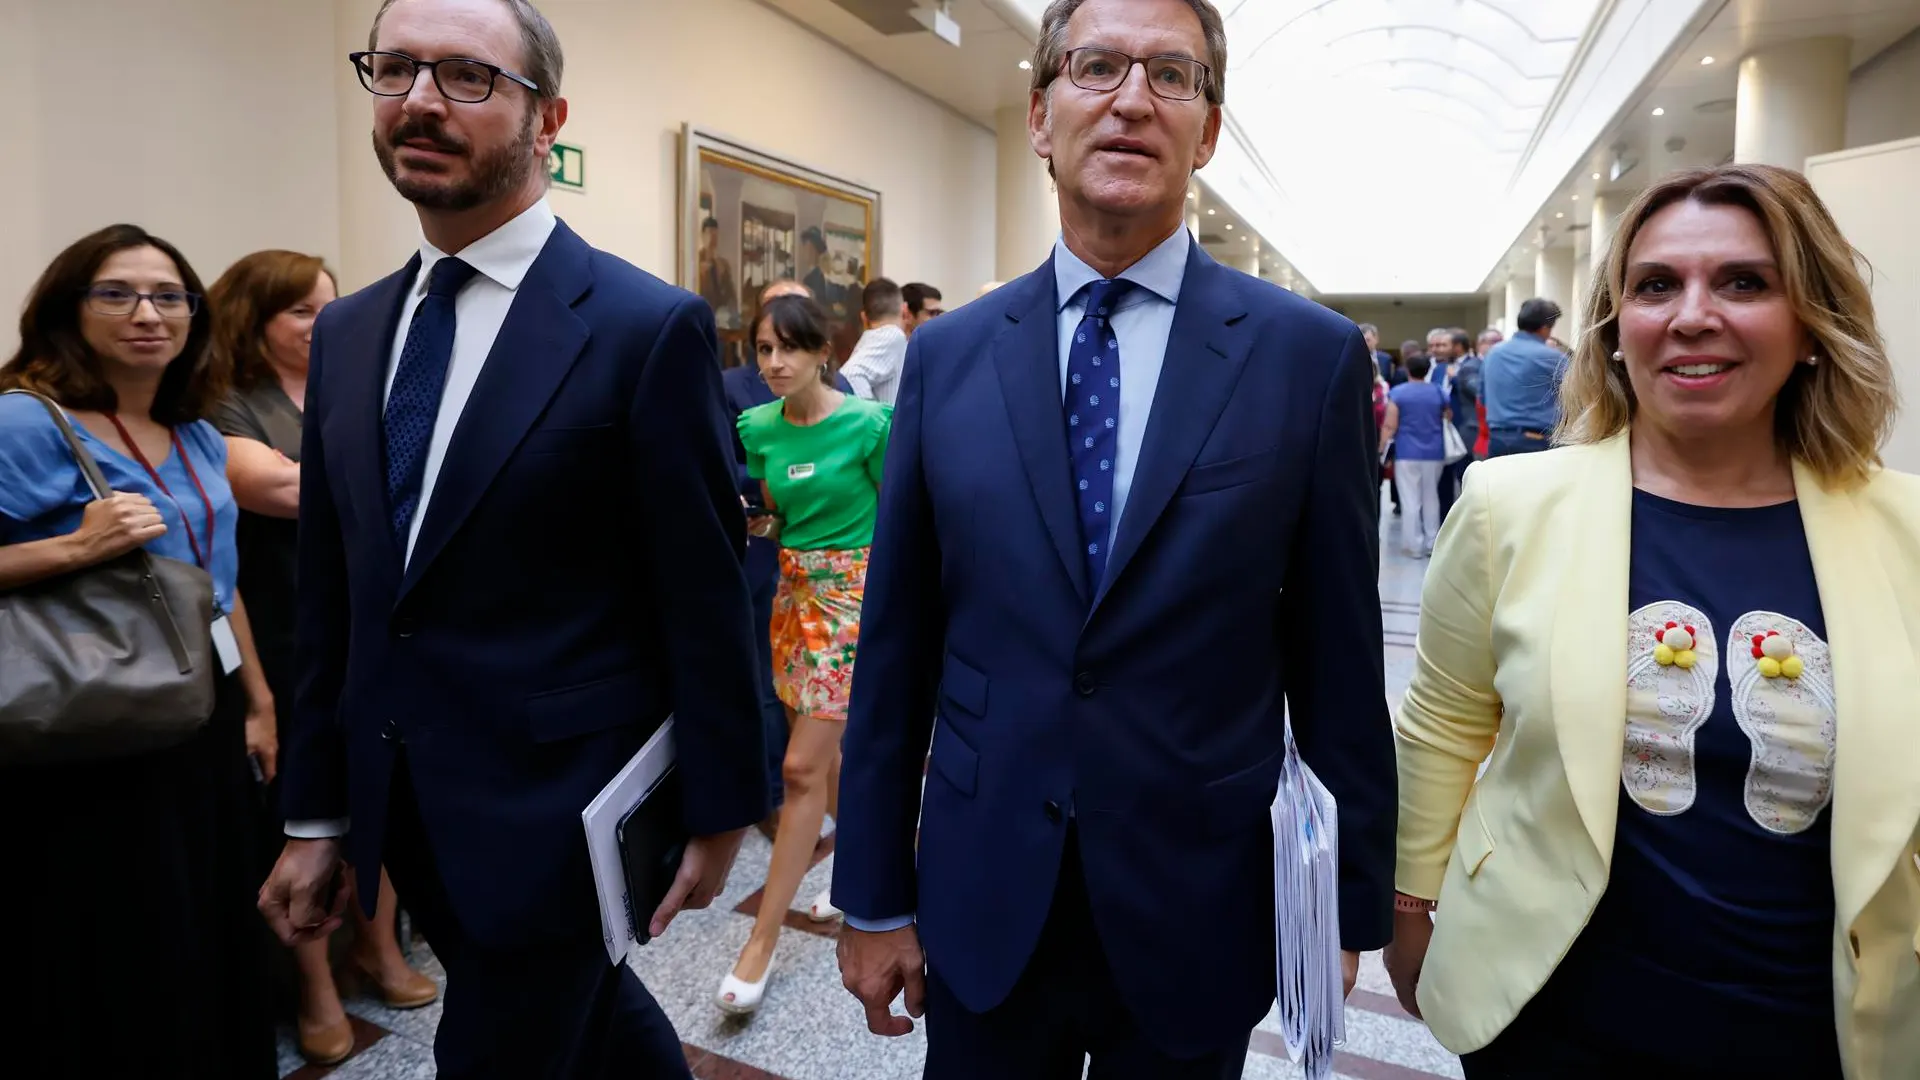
column 1814, row 360
column 1619, row 357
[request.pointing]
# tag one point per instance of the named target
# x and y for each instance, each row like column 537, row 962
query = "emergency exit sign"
column 567, row 167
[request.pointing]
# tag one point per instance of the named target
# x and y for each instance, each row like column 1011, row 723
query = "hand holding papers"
column 1306, row 911
column 634, row 841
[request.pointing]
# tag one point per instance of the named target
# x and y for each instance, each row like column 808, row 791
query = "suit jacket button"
column 1083, row 684
column 1054, row 813
column 404, row 627
column 389, row 731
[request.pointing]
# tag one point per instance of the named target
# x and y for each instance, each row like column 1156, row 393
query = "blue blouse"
column 43, row 493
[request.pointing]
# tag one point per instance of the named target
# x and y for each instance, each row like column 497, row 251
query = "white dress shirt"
column 874, row 368
column 502, row 258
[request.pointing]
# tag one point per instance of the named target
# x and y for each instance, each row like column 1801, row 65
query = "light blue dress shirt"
column 1143, row 322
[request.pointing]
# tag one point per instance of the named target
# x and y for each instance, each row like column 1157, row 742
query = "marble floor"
column 811, row 1029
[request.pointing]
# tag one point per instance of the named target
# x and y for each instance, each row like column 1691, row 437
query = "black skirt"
column 133, row 944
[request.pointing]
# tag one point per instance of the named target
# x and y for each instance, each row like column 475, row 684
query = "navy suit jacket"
column 1242, row 586
column 745, row 389
column 577, row 578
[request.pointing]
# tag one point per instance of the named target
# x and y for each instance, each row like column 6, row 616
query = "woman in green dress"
column 817, row 453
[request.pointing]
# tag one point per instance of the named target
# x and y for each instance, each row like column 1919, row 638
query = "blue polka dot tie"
column 413, row 403
column 1093, row 415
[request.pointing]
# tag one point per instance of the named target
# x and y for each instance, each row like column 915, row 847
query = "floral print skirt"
column 816, row 622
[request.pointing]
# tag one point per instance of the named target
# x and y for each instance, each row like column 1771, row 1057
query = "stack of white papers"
column 1306, row 911
column 602, row 820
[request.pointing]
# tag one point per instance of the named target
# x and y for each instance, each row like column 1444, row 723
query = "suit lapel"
column 1202, row 365
column 536, row 347
column 1875, row 668
column 1027, row 357
column 1589, row 646
column 367, row 351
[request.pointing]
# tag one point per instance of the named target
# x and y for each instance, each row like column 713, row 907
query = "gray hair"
column 1051, row 50
column 544, row 62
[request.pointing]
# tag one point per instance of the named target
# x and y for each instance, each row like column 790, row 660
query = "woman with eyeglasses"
column 264, row 309
column 133, row 938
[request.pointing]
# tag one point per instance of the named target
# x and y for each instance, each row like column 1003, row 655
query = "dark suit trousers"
column 773, row 714
column 1064, row 1008
column 553, row 1011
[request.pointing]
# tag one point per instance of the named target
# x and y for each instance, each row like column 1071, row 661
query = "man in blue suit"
column 1112, row 605
column 745, row 389
column 520, row 551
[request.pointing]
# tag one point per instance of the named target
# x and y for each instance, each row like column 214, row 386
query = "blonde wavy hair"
column 1833, row 416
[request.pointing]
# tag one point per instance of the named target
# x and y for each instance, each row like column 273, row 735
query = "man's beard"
column 493, row 174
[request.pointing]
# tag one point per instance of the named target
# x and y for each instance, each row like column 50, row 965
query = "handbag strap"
column 90, row 468
column 97, row 482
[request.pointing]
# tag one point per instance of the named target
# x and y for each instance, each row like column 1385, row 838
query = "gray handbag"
column 110, row 661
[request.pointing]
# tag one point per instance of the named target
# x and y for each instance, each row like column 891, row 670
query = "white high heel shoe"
column 822, row 909
column 737, row 997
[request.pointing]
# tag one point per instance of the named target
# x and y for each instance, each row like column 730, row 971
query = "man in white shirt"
column 874, row 368
column 520, row 551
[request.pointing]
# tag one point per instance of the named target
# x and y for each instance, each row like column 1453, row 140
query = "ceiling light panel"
column 1430, row 79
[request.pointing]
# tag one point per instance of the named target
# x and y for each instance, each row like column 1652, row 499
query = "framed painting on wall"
column 749, row 218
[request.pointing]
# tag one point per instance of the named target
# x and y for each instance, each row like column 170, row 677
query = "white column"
column 1606, row 219
column 1193, row 222
column 1575, row 322
column 1792, row 102
column 1026, row 213
column 1246, row 255
column 1553, row 278
column 1519, row 291
column 1496, row 310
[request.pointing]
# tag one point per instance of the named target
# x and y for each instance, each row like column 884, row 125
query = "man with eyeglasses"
column 1127, row 527
column 924, row 303
column 520, row 551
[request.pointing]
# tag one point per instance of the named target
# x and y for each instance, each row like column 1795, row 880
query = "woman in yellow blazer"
column 1686, row 645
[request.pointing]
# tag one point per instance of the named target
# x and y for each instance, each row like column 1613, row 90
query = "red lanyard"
column 187, row 463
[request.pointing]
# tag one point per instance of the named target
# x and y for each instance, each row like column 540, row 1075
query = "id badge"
column 225, row 644
column 800, row 472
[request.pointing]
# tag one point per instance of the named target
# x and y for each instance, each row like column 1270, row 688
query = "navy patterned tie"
column 1093, row 415
column 413, row 403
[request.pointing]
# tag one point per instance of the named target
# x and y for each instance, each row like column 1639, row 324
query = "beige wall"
column 1870, row 192
column 1399, row 322
column 262, row 141
column 740, row 69
column 21, row 253
column 209, row 122
column 1883, row 102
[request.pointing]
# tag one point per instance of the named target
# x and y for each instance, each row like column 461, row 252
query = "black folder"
column 653, row 839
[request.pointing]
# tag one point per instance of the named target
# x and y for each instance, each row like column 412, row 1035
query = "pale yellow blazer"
column 1522, row 656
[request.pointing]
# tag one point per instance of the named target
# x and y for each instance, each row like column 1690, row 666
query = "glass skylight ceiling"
column 1393, row 128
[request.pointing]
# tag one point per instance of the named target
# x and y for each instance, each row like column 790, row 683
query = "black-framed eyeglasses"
column 470, row 82
column 118, row 301
column 1175, row 78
